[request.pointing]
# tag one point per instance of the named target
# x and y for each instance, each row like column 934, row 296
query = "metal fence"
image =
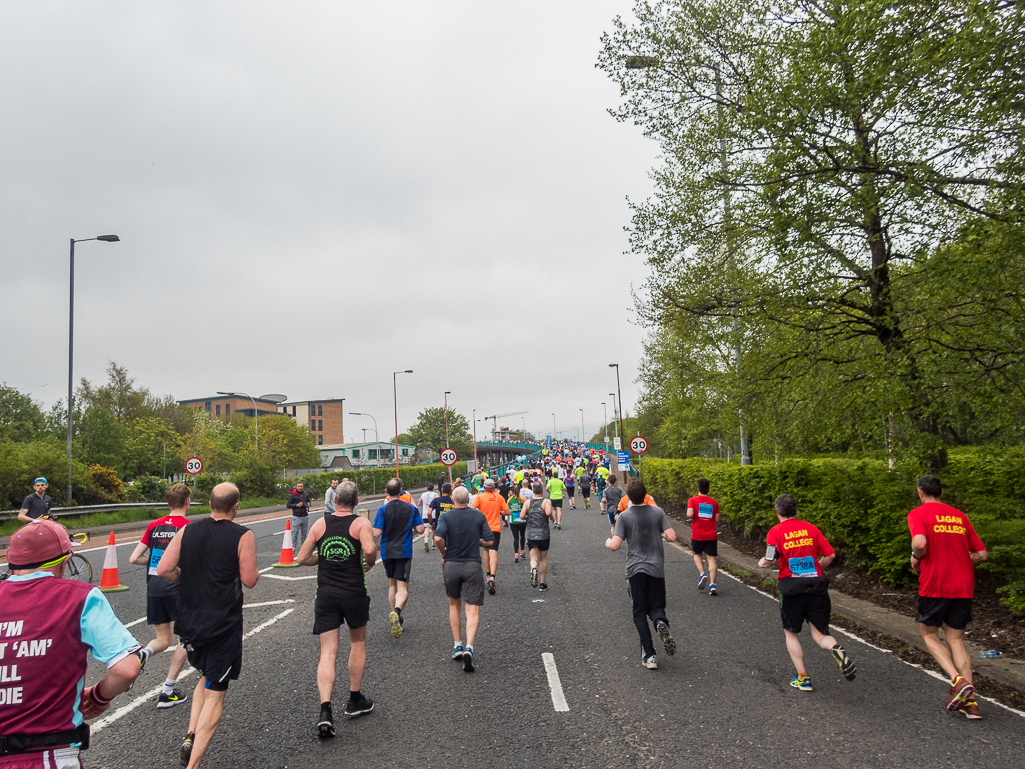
column 64, row 512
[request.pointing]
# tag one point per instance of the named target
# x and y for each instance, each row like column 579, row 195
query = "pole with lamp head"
column 395, row 394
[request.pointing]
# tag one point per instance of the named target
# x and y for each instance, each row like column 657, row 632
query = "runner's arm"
column 613, row 543
column 918, row 546
column 138, row 556
column 23, row 516
column 308, row 552
column 669, row 534
column 978, row 557
column 120, row 677
column 247, row 570
column 825, row 560
column 168, row 566
column 366, row 538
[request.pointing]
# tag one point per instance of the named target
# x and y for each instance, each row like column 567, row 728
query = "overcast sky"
column 312, row 195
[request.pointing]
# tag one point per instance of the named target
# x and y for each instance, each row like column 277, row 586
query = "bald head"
column 224, row 498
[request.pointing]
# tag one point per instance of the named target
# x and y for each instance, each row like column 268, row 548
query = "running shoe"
column 468, row 660
column 802, row 682
column 359, row 707
column 402, row 620
column 667, row 637
column 457, row 652
column 845, row 663
column 543, row 586
column 702, row 580
column 516, row 557
column 427, row 545
column 396, row 626
column 960, row 693
column 170, row 700
column 533, row 577
column 971, row 710
column 185, row 754
column 649, row 662
column 326, row 724
column 712, row 589
column 490, row 582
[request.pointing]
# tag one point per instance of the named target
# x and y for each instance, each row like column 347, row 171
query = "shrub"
column 104, row 487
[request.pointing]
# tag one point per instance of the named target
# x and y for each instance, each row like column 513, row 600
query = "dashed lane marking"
column 554, row 683
column 139, row 621
column 148, row 696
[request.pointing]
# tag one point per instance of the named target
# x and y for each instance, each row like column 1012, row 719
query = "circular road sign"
column 449, row 457
column 194, row 466
column 638, row 444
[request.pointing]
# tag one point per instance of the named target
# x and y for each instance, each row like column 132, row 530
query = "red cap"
column 37, row 543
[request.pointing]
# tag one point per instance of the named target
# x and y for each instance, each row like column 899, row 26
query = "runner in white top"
column 425, row 512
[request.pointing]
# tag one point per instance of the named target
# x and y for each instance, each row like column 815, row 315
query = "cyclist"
column 36, row 504
column 43, row 723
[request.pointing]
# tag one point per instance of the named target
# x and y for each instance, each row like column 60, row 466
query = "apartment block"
column 325, row 418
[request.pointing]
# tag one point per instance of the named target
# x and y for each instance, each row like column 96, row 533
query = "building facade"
column 225, row 406
column 325, row 418
column 366, row 455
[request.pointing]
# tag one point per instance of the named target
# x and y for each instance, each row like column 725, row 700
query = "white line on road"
column 148, row 696
column 135, row 622
column 290, row 579
column 558, row 698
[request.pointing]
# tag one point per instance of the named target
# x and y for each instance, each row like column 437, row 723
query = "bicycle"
column 78, row 568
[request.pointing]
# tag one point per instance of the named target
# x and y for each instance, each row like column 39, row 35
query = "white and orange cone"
column 287, row 556
column 109, row 581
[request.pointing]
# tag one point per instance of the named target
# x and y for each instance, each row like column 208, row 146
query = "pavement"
column 723, row 700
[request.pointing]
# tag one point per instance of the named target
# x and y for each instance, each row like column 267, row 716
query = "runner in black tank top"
column 343, row 548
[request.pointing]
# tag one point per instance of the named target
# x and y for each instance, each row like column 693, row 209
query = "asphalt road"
column 723, row 700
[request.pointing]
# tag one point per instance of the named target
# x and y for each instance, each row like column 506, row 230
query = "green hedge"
column 373, row 481
column 861, row 506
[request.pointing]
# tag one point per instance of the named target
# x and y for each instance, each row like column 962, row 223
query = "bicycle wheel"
column 79, row 569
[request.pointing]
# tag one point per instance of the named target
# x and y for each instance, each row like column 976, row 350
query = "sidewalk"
column 1008, row 672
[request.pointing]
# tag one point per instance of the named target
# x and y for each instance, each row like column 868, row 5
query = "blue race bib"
column 803, row 567
column 154, row 559
column 705, row 510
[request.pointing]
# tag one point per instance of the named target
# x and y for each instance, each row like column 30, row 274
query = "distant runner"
column 703, row 513
column 610, row 501
column 539, row 538
column 424, row 504
column 490, row 503
column 394, row 524
column 556, row 488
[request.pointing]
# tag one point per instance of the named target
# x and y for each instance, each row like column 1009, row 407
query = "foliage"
column 861, row 506
column 835, row 236
column 21, row 419
column 429, row 431
column 104, row 487
column 21, row 463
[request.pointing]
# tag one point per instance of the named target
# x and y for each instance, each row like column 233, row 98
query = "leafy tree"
column 21, row 419
column 817, row 158
column 102, row 439
column 429, row 431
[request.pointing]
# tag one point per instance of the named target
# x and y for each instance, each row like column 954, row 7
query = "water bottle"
column 988, row 655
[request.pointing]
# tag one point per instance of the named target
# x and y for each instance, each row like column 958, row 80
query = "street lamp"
column 256, row 415
column 474, row 440
column 619, row 394
column 605, row 427
column 395, row 394
column 377, row 437
column 581, row 425
column 71, row 342
column 554, row 431
column 447, row 393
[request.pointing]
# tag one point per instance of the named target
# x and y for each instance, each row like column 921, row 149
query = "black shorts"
column 814, row 608
column 219, row 660
column 493, row 544
column 571, row 492
column 331, row 610
column 585, row 491
column 539, row 544
column 398, row 568
column 955, row 613
column 706, row 546
column 556, row 503
column 161, row 609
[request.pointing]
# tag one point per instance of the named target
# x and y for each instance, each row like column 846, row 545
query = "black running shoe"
column 360, row 707
column 490, row 582
column 326, row 724
column 185, row 754
column 845, row 663
column 543, row 587
column 468, row 660
column 666, row 636
column 170, row 700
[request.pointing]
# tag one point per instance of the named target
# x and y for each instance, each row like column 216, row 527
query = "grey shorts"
column 465, row 580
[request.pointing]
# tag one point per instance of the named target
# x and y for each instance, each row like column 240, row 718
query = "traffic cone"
column 287, row 556
column 109, row 582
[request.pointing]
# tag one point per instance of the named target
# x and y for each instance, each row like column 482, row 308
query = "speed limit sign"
column 638, row 444
column 194, row 466
column 449, row 457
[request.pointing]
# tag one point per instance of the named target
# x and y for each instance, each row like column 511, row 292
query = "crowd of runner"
column 196, row 573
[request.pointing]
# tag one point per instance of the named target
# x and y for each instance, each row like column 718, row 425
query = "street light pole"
column 377, row 436
column 71, row 343
column 475, row 468
column 615, row 416
column 605, row 426
column 395, row 394
column 447, row 446
column 581, row 425
column 256, row 415
column 555, row 433
column 619, row 394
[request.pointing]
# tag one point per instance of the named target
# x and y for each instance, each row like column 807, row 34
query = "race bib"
column 705, row 510
column 803, row 567
column 154, row 559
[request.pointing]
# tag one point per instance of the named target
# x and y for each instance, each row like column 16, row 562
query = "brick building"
column 324, row 418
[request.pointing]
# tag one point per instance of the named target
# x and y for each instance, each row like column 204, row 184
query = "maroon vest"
column 42, row 657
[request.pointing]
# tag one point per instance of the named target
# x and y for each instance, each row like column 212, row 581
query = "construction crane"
column 495, row 417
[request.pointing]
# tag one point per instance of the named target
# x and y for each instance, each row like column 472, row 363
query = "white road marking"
column 148, row 696
column 135, row 622
column 934, row 674
column 290, row 579
column 136, row 538
column 558, row 698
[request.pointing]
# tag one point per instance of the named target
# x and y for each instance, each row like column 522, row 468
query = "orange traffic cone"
column 109, row 582
column 287, row 556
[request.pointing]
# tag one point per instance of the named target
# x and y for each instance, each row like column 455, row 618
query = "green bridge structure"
column 495, row 452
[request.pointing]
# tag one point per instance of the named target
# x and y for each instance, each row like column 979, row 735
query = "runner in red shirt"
column 161, row 595
column 946, row 549
column 703, row 513
column 803, row 552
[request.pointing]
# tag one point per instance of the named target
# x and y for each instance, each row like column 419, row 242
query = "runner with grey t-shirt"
column 643, row 527
column 610, row 500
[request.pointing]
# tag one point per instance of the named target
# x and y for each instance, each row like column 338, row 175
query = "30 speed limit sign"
column 194, row 466
column 449, row 457
column 638, row 444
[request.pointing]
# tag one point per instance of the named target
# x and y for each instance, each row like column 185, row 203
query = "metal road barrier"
column 6, row 515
